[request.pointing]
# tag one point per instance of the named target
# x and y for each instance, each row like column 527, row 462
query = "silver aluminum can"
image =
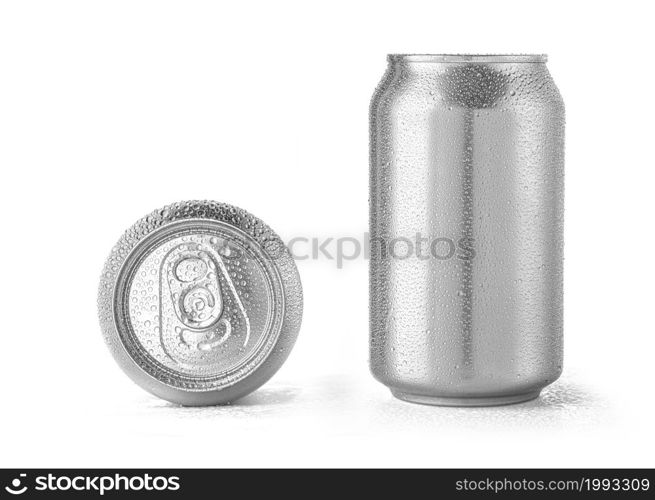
column 200, row 302
column 466, row 223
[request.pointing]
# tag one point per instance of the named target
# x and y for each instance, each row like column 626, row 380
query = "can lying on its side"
column 200, row 302
column 466, row 223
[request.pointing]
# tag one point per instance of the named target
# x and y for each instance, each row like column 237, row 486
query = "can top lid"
column 467, row 58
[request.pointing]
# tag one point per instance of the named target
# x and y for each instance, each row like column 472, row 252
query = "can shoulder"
column 466, row 86
column 383, row 91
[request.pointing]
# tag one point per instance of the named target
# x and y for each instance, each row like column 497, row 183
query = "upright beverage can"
column 466, row 228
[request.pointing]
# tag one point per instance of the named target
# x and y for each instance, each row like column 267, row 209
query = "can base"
column 475, row 401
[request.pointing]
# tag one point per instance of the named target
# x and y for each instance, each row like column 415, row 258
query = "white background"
column 111, row 109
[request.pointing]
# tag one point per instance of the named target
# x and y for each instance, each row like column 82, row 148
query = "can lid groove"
column 469, row 58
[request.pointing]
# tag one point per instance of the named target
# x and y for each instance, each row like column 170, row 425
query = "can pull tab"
column 196, row 293
column 200, row 307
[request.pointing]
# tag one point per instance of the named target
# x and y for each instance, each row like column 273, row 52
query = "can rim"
column 469, row 58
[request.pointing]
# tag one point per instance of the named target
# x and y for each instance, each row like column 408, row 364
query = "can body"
column 466, row 228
